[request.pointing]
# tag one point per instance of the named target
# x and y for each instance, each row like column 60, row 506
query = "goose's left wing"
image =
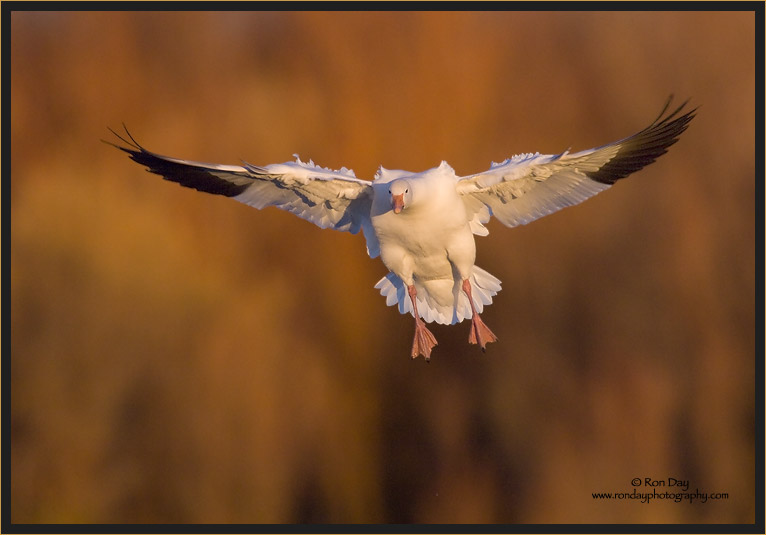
column 529, row 186
column 329, row 199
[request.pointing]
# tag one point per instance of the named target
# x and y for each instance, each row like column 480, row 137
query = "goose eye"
column 407, row 190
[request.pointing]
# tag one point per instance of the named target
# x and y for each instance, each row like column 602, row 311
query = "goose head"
column 401, row 195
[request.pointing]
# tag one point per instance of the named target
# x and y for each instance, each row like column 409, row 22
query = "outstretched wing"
column 529, row 186
column 329, row 199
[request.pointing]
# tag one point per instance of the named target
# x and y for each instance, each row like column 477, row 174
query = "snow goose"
column 422, row 225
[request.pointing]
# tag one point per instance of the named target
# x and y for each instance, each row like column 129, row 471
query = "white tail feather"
column 433, row 303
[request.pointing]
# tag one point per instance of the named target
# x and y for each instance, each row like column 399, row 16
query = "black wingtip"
column 201, row 177
column 665, row 108
column 132, row 145
column 644, row 147
column 132, row 139
column 665, row 117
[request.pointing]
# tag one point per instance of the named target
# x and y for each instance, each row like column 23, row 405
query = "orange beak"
column 397, row 203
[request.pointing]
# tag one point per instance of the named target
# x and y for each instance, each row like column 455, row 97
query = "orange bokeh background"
column 180, row 357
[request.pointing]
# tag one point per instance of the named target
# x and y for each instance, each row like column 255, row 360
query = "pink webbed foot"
column 423, row 342
column 480, row 333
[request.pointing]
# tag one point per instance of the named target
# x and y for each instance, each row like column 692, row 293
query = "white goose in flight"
column 422, row 225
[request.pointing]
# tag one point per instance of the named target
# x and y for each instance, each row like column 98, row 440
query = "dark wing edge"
column 644, row 147
column 229, row 181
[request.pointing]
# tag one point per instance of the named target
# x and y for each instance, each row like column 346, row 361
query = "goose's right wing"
column 329, row 199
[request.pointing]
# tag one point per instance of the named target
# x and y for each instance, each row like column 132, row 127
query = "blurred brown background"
column 180, row 357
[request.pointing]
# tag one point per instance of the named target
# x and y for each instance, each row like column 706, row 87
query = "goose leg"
column 480, row 333
column 424, row 340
